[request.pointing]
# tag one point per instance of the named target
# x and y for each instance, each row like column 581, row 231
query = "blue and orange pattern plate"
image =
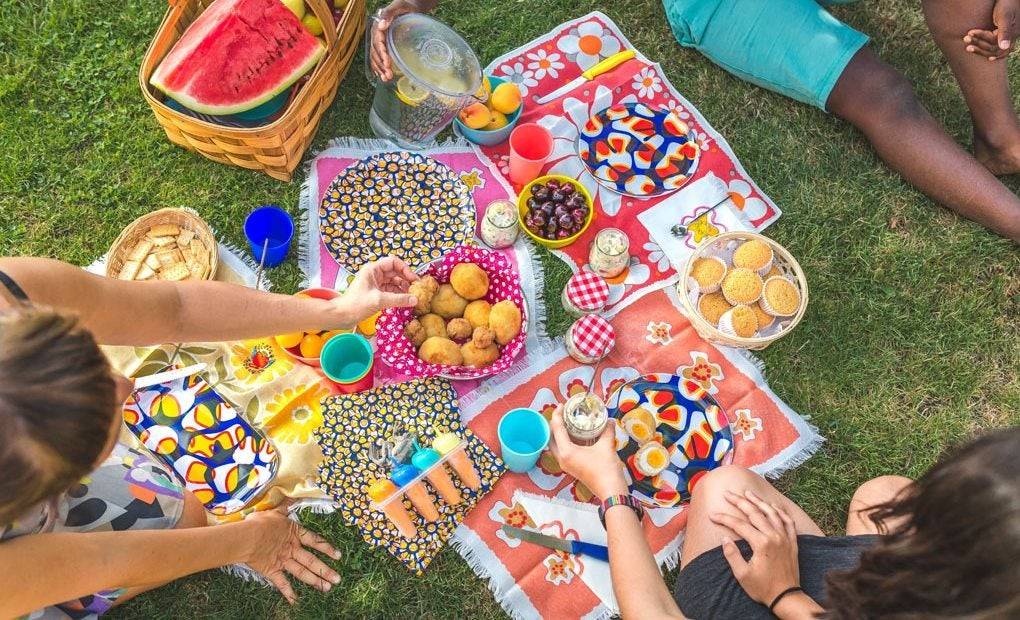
column 689, row 423
column 219, row 456
column 634, row 150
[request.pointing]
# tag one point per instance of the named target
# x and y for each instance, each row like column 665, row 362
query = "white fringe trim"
column 246, row 573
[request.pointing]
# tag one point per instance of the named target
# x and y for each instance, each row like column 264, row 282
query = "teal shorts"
column 794, row 47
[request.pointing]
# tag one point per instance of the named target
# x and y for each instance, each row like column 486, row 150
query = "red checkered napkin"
column 588, row 291
column 593, row 336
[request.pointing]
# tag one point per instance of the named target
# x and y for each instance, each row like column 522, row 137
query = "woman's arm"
column 637, row 582
column 156, row 312
column 45, row 569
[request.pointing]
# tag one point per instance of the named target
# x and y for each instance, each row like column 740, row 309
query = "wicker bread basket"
column 136, row 231
column 783, row 260
column 276, row 148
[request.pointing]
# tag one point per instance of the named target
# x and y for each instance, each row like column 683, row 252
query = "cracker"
column 185, row 238
column 200, row 252
column 141, row 250
column 145, row 273
column 165, row 230
column 163, row 241
column 167, row 258
column 175, row 272
column 197, row 270
column 129, row 270
column 152, row 262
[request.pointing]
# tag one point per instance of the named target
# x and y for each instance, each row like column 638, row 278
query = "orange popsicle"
column 458, row 458
column 416, row 492
column 440, row 480
column 379, row 491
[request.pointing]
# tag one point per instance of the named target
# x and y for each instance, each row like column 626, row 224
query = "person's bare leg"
column 869, row 495
column 880, row 102
column 985, row 84
column 709, row 497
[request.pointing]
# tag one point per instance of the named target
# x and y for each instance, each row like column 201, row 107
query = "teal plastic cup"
column 347, row 361
column 523, row 434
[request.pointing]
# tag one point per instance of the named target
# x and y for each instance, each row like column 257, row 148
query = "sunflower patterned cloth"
column 664, row 229
column 353, row 422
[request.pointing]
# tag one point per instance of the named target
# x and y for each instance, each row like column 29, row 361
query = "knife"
column 605, row 66
column 577, row 547
column 167, row 376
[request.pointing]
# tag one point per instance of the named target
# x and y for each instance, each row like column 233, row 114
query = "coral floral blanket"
column 531, row 581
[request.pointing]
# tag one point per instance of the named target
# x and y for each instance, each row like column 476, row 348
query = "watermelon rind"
column 206, row 26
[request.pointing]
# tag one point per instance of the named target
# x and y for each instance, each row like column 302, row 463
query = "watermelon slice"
column 237, row 55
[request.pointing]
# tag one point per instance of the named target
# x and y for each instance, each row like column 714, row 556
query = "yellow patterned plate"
column 400, row 203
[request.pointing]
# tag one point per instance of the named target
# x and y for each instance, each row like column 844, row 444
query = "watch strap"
column 620, row 500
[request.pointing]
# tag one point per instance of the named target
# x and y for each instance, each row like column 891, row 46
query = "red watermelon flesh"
column 237, row 55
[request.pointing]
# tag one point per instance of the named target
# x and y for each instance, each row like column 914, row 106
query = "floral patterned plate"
column 684, row 419
column 400, row 203
column 636, row 151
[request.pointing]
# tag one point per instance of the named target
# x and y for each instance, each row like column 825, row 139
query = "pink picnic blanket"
column 657, row 244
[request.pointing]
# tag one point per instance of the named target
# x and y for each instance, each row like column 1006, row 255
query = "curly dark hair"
column 957, row 552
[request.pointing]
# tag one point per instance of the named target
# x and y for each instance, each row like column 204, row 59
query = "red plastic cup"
column 530, row 147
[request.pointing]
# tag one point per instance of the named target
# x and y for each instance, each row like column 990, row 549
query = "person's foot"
column 1001, row 158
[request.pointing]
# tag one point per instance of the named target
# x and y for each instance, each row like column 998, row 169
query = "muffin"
column 712, row 306
column 708, row 273
column 754, row 255
column 764, row 318
column 739, row 321
column 780, row 297
column 741, row 286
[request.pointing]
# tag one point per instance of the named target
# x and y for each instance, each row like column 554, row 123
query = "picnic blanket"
column 652, row 336
column 662, row 230
column 277, row 394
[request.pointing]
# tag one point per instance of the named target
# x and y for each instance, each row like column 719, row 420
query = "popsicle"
column 416, row 492
column 382, row 489
column 449, row 442
column 440, row 480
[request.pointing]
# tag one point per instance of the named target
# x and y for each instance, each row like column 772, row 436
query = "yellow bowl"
column 522, row 210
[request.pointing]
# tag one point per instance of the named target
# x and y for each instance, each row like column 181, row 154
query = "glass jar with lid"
column 499, row 227
column 590, row 339
column 609, row 255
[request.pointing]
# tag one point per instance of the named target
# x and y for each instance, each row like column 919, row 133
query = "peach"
column 497, row 121
column 475, row 116
column 506, row 98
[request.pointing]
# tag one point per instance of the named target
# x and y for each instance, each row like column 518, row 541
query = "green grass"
column 909, row 344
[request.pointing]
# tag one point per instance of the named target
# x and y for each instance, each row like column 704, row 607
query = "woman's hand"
column 597, row 467
column 772, row 535
column 379, row 285
column 997, row 43
column 379, row 56
column 278, row 548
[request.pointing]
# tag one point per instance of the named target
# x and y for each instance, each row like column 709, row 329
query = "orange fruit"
column 311, row 345
column 367, row 327
column 289, row 341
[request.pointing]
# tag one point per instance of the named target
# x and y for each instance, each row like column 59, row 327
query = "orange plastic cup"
column 530, row 148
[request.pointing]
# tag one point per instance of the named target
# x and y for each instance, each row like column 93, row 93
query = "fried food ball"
column 415, row 332
column 470, row 281
column 479, row 357
column 505, row 321
column 423, row 289
column 483, row 337
column 477, row 313
column 441, row 351
column 434, row 325
column 447, row 303
column 458, row 329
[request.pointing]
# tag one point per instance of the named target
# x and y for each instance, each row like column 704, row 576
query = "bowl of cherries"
column 554, row 210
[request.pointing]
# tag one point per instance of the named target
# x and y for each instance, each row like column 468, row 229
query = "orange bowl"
column 522, row 210
column 315, row 293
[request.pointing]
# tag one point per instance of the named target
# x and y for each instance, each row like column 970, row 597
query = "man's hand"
column 597, row 467
column 997, row 43
column 379, row 285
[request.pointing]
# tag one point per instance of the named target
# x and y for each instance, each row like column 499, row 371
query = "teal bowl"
column 495, row 136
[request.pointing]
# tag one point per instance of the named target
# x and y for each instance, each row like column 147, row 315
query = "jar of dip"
column 585, row 293
column 590, row 339
column 499, row 226
column 585, row 416
column 609, row 254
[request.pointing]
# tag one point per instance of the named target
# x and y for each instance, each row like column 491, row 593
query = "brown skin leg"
column 870, row 494
column 984, row 82
column 879, row 101
column 709, row 498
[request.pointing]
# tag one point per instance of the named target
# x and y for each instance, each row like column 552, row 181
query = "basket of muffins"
column 744, row 290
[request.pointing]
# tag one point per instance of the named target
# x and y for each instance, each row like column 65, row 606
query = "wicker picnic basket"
column 276, row 148
column 136, row 230
column 783, row 261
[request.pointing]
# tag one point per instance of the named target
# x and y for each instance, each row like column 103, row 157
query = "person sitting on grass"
column 76, row 537
column 945, row 546
column 797, row 48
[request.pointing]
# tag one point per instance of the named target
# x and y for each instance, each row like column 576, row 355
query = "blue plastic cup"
column 523, row 434
column 273, row 223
